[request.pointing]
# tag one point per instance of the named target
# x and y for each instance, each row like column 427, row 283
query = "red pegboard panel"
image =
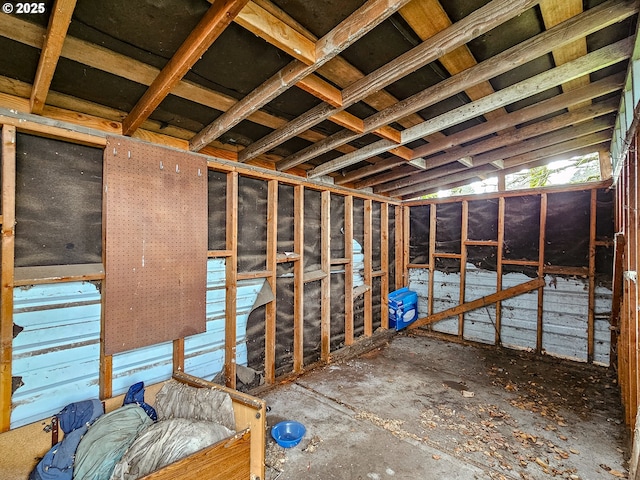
column 155, row 220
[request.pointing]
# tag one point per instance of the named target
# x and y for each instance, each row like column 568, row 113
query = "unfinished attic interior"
column 231, row 206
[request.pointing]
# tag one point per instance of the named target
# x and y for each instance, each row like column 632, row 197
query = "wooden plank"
column 24, row 276
column 479, row 303
column 272, row 261
column 348, row 271
column 473, row 25
column 178, row 355
column 499, row 269
column 59, row 21
column 321, row 89
column 541, row 263
column 231, row 280
column 252, row 275
column 433, row 224
column 298, row 279
column 384, row 263
column 231, row 458
column 209, row 28
column 325, row 286
column 268, row 27
column 592, row 277
column 464, row 236
column 8, row 187
column 347, row 32
column 367, row 250
column 617, row 290
column 601, row 87
column 594, row 61
column 314, row 276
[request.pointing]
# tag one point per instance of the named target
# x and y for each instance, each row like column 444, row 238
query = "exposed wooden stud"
column 178, row 355
column 401, row 259
column 298, row 279
column 616, row 294
column 367, row 249
column 214, row 22
column 348, row 271
column 591, row 318
column 478, row 303
column 231, row 276
column 8, row 186
column 325, row 283
column 252, row 275
column 59, row 21
column 321, row 89
column 606, row 168
column 499, row 269
column 384, row 265
column 24, row 276
column 432, row 255
column 464, row 236
column 272, row 261
column 541, row 250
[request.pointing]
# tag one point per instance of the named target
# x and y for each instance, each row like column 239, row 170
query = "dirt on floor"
column 421, row 407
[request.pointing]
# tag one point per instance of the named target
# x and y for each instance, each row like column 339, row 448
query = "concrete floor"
column 420, row 407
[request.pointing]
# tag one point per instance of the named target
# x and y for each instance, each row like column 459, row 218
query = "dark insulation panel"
column 419, row 232
column 252, row 224
column 217, row 192
column 58, row 203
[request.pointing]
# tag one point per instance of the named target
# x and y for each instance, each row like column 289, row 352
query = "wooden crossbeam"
column 472, row 26
column 56, row 32
column 214, row 22
column 579, row 27
column 347, row 32
column 480, row 302
column 591, row 62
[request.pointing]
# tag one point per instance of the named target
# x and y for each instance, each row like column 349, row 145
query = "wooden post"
column 541, row 244
column 500, row 253
column 401, row 260
column 406, row 239
column 178, row 355
column 298, row 279
column 464, row 236
column 6, row 292
column 231, row 273
column 384, row 264
column 271, row 308
column 633, row 285
column 325, row 283
column 592, row 277
column 348, row 274
column 616, row 295
column 368, row 279
column 432, row 255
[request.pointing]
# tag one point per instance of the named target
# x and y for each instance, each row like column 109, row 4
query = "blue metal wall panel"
column 58, row 352
column 479, row 324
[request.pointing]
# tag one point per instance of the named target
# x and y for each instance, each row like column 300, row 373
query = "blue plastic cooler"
column 403, row 308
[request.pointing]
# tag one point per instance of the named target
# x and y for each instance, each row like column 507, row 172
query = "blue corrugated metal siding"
column 565, row 315
column 480, row 324
column 58, row 352
column 204, row 353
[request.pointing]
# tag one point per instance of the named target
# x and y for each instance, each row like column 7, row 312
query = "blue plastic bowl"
column 288, row 434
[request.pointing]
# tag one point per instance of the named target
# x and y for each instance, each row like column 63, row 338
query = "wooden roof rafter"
column 59, row 21
column 350, row 30
column 589, row 63
column 555, row 38
column 213, row 23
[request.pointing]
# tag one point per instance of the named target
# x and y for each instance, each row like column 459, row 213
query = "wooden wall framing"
column 233, row 172
column 539, row 263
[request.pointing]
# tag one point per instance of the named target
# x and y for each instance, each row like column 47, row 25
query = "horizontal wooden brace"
column 252, row 275
column 480, row 302
column 25, row 276
column 219, row 253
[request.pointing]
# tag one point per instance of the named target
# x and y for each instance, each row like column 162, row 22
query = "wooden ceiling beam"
column 505, row 153
column 213, row 23
column 59, row 21
column 441, row 177
column 591, row 62
column 588, row 22
column 472, row 26
column 270, row 28
column 373, row 169
column 347, row 32
column 580, row 115
column 546, row 107
column 553, row 13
